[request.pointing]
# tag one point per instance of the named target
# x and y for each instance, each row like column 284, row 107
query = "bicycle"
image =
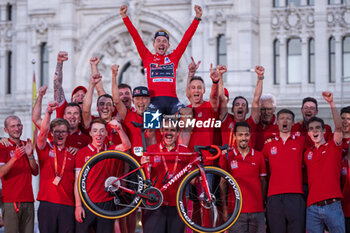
column 128, row 184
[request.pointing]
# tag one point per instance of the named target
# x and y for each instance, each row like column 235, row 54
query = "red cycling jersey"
column 161, row 70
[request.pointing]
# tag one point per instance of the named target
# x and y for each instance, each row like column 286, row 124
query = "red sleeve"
column 3, row 155
column 60, row 109
column 180, row 49
column 141, row 48
column 79, row 159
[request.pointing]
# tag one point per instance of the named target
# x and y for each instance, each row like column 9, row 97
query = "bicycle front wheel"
column 201, row 214
column 103, row 191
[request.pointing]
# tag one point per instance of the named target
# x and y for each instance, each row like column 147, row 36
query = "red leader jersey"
column 95, row 184
column 160, row 70
column 17, row 183
column 247, row 172
column 285, row 161
column 203, row 136
column 323, row 170
column 227, row 130
column 63, row 193
column 161, row 165
column 301, row 129
column 345, row 172
column 265, row 132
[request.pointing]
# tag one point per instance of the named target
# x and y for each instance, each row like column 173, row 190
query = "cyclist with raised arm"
column 166, row 218
column 160, row 68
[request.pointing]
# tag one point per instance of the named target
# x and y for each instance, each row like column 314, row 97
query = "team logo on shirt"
column 234, row 164
column 309, row 155
column 200, row 114
column 138, row 150
column 274, row 150
column 12, row 153
column 166, row 60
column 51, row 154
column 297, row 134
column 157, row 159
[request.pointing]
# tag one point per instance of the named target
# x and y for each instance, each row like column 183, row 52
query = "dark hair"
column 72, row 104
column 196, row 78
column 57, row 122
column 124, row 85
column 241, row 124
column 107, row 96
column 345, row 110
column 240, row 97
column 310, row 99
column 284, row 110
column 315, row 119
column 98, row 120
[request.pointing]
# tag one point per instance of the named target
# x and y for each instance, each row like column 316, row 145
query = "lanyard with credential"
column 166, row 166
column 58, row 177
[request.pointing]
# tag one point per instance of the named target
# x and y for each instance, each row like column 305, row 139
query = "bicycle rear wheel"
column 198, row 212
column 98, row 184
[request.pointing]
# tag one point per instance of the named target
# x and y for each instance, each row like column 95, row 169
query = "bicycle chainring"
column 155, row 199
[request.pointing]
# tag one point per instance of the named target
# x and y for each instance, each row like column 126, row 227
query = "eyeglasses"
column 56, row 132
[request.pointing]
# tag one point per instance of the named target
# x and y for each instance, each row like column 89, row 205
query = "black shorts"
column 165, row 104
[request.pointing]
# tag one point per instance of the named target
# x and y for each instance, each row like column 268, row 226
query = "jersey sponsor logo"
column 294, row 148
column 253, row 164
column 166, row 60
column 12, row 153
column 151, row 120
column 309, row 155
column 161, row 71
column 234, row 164
column 274, row 150
column 167, row 80
column 51, row 154
column 200, row 114
column 297, row 133
column 157, row 159
column 138, row 150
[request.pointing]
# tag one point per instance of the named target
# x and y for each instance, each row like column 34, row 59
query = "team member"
column 166, row 218
column 85, row 218
column 249, row 169
column 17, row 165
column 105, row 109
column 285, row 205
column 267, row 126
column 309, row 109
column 323, row 162
column 125, row 95
column 160, row 68
column 240, row 110
column 72, row 113
column 56, row 209
column 345, row 116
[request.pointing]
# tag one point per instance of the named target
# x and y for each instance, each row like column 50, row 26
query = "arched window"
column 346, row 57
column 294, row 60
column 276, row 62
column 331, row 59
column 221, row 52
column 311, row 59
column 44, row 64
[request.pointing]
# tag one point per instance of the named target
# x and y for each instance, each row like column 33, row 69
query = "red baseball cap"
column 79, row 88
column 226, row 93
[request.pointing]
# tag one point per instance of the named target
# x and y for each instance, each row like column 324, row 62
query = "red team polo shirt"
column 17, row 183
column 323, row 170
column 345, row 172
column 62, row 193
column 285, row 162
column 134, row 134
column 161, row 70
column 247, row 172
column 158, row 169
column 263, row 133
column 227, row 130
column 203, row 136
column 77, row 140
column 95, row 185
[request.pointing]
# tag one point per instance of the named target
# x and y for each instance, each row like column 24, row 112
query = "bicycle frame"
column 197, row 162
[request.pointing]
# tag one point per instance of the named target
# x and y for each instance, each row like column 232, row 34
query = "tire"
column 104, row 165
column 190, row 188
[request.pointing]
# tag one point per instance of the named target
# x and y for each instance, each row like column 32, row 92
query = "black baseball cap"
column 161, row 33
column 140, row 91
